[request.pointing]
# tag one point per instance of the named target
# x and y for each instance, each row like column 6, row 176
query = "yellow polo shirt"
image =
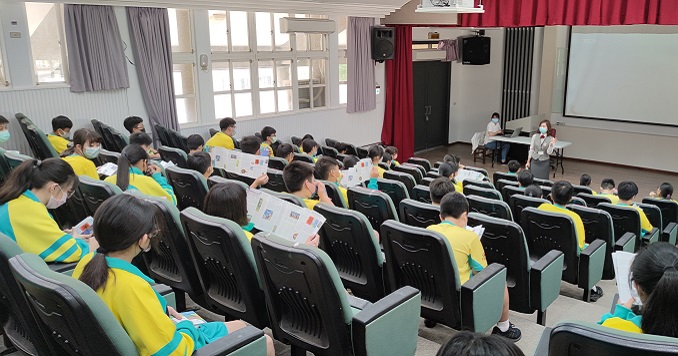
column 578, row 223
column 468, row 251
column 59, row 143
column 82, row 166
column 220, row 139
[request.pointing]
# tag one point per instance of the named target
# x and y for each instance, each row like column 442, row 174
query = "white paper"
column 237, row 162
column 166, row 164
column 478, row 230
column 282, row 218
column 107, row 169
column 465, row 174
column 622, row 265
column 85, row 227
column 356, row 174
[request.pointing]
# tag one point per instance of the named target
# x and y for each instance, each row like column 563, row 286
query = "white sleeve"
column 550, row 148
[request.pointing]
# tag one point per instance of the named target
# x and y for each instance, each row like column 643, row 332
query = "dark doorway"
column 431, row 104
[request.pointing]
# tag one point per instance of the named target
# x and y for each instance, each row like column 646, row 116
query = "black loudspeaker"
column 475, row 50
column 383, row 43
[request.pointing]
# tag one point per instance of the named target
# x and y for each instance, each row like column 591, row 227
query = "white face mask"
column 54, row 203
column 91, row 152
column 274, row 139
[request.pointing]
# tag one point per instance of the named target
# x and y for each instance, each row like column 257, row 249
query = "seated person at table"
column 393, row 151
column 525, row 178
column 627, row 191
column 513, row 167
column 534, row 191
column 144, row 140
column 269, row 135
column 32, row 188
column 607, row 190
column 310, row 147
column 469, row 253
column 4, row 129
column 126, row 226
column 467, row 343
column 85, row 148
column 61, row 131
column 653, row 274
column 250, row 144
column 285, row 151
column 195, row 143
column 299, row 180
column 134, row 124
column 438, row 188
column 202, row 162
column 223, row 138
column 665, row 191
column 585, row 181
column 328, row 169
column 494, row 129
column 450, row 171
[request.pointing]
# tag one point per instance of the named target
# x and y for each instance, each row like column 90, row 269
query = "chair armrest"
column 543, row 345
column 247, row 341
column 651, row 237
column 626, row 243
column 670, row 233
column 545, row 276
column 482, row 298
column 358, row 303
column 63, row 268
column 591, row 263
column 390, row 326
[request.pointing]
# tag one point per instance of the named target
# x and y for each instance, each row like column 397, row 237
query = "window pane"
column 342, row 25
column 239, row 33
column 2, row 72
column 343, row 93
column 45, row 41
column 343, row 69
column 264, row 34
column 319, row 71
column 285, row 100
column 317, row 41
column 282, row 40
column 266, row 79
column 284, row 73
column 303, row 71
column 222, row 106
column 221, row 77
column 318, row 96
column 242, row 80
column 304, row 97
column 180, row 30
column 243, row 104
column 218, row 31
column 183, row 79
column 267, row 101
column 186, row 111
column 301, row 41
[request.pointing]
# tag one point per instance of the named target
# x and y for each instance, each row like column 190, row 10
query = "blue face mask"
column 4, row 136
column 495, row 120
column 542, row 130
column 92, row 152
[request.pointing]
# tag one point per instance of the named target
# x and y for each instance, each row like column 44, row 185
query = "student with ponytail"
column 654, row 275
column 134, row 172
column 85, row 147
column 126, row 226
column 32, row 188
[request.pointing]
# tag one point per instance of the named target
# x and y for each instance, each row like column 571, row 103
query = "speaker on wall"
column 475, row 50
column 383, row 41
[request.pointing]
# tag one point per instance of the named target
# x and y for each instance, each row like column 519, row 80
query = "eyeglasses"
column 68, row 194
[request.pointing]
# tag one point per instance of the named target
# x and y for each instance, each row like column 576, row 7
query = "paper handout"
column 356, row 174
column 237, row 162
column 107, row 169
column 465, row 174
column 622, row 265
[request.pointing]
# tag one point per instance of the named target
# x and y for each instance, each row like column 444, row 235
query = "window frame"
column 61, row 38
column 188, row 57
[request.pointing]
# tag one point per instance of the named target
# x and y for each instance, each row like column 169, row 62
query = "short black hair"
column 341, row 147
column 226, row 123
column 495, row 114
column 250, row 144
column 666, row 190
column 392, row 150
column 131, row 122
column 375, row 151
column 447, row 169
column 386, row 157
column 448, row 158
column 607, row 183
column 534, row 191
column 513, row 166
column 324, row 166
column 439, row 187
column 140, row 138
column 308, row 144
column 284, row 150
column 295, row 174
column 467, row 343
column 199, row 161
column 61, row 122
column 350, row 161
column 3, row 120
column 267, row 131
column 562, row 192
column 307, row 136
column 453, row 204
column 627, row 190
column 525, row 178
column 194, row 141
column 585, row 180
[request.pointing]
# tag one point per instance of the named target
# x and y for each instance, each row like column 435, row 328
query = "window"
column 46, row 30
column 311, row 82
column 275, row 86
column 184, row 70
column 3, row 80
column 342, row 26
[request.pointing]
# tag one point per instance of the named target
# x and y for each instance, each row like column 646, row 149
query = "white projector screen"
column 625, row 73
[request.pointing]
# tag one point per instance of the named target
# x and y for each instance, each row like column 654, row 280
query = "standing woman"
column 541, row 147
column 85, row 147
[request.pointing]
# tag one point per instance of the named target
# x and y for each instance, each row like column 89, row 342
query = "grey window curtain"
column 96, row 59
column 150, row 33
column 361, row 83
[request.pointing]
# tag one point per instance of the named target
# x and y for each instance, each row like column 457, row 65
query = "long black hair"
column 229, row 201
column 36, row 174
column 80, row 137
column 118, row 224
column 654, row 270
column 130, row 156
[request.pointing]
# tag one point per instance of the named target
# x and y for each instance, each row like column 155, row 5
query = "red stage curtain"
column 398, row 128
column 517, row 13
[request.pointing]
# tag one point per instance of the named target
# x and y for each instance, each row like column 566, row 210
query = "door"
column 431, row 104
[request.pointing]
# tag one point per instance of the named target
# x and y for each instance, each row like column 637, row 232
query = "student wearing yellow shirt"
column 134, row 124
column 450, row 170
column 285, row 151
column 653, row 274
column 469, row 254
column 4, row 129
column 85, row 148
column 269, row 135
column 328, row 170
column 125, row 225
column 310, row 147
column 664, row 191
column 585, row 181
column 607, row 190
column 376, row 154
column 299, row 180
column 132, row 168
column 627, row 191
column 393, row 151
column 439, row 189
column 61, row 131
column 32, row 188
column 223, row 138
column 195, row 143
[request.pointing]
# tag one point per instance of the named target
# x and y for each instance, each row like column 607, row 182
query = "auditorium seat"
column 627, row 219
column 412, row 170
column 296, row 140
column 421, row 161
column 509, row 190
column 106, row 156
column 277, row 163
column 190, row 187
column 482, row 192
column 275, row 181
column 592, row 201
column 37, row 139
column 421, row 193
column 501, row 183
column 419, row 214
column 503, row 175
column 329, row 151
column 303, row 157
column 331, row 142
column 519, row 202
column 668, row 207
column 95, row 192
column 334, row 194
column 402, row 177
column 174, row 155
column 490, row 207
column 480, row 183
column 214, row 180
column 361, row 152
column 377, row 206
column 581, row 189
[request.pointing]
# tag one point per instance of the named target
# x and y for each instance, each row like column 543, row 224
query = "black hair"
column 284, row 150
column 61, row 122
column 665, row 190
column 466, row 343
column 534, row 190
column 295, row 174
column 387, row 157
column 453, row 204
column 562, row 192
column 525, row 178
column 513, row 166
column 448, row 169
column 140, row 138
column 627, row 190
column 308, row 144
column 250, row 144
column 350, row 161
column 585, row 180
column 341, row 147
column 307, row 136
column 36, row 174
column 449, row 158
column 375, row 151
column 3, row 120
column 131, row 122
column 80, row 137
column 129, row 156
column 226, row 123
column 495, row 114
column 607, row 183
column 199, row 161
column 392, row 150
column 439, row 188
column 229, row 195
column 267, row 131
column 120, row 222
column 194, row 141
column 324, row 166
column 654, row 271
